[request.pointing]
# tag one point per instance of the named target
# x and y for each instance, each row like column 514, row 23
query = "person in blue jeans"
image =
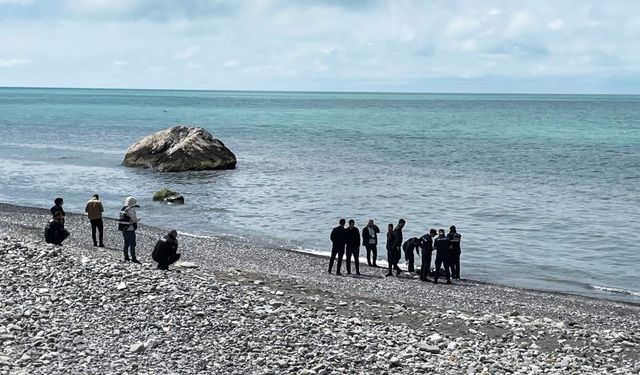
column 128, row 223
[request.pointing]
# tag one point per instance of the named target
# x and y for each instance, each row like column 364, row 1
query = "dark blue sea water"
column 543, row 188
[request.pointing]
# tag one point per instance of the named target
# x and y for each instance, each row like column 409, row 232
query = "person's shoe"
column 135, row 261
column 95, row 244
column 127, row 259
column 101, row 245
column 435, row 281
column 374, row 265
column 338, row 273
column 389, row 274
column 348, row 273
column 358, row 273
column 449, row 282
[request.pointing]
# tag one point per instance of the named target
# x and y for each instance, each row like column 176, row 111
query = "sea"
column 544, row 189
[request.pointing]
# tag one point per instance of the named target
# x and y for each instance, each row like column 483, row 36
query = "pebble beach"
column 241, row 308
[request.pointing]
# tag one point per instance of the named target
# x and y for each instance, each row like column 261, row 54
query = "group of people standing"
column 447, row 249
column 164, row 252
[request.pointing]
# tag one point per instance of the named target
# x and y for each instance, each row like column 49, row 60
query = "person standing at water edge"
column 337, row 245
column 57, row 207
column 352, row 240
column 408, row 247
column 370, row 242
column 426, row 244
column 397, row 244
column 166, row 250
column 128, row 224
column 391, row 255
column 454, row 238
column 442, row 256
column 94, row 210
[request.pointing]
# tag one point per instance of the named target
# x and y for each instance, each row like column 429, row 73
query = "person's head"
column 433, row 232
column 370, row 223
column 452, row 229
column 58, row 201
column 131, row 202
column 58, row 215
column 96, row 197
column 172, row 234
column 390, row 227
column 342, row 222
column 351, row 223
column 401, row 223
column 440, row 232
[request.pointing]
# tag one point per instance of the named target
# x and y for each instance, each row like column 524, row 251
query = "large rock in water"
column 180, row 148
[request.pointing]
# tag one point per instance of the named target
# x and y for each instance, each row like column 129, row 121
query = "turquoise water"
column 543, row 188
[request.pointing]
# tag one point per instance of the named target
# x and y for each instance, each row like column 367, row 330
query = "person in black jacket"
column 54, row 231
column 57, row 207
column 426, row 244
column 370, row 242
column 408, row 247
column 454, row 239
column 337, row 245
column 443, row 255
column 395, row 247
column 352, row 241
column 391, row 255
column 166, row 250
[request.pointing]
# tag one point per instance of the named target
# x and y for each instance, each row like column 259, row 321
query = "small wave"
column 615, row 290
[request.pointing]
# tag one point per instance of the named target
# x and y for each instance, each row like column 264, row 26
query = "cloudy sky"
column 581, row 46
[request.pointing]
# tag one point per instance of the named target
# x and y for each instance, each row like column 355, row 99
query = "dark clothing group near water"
column 164, row 253
column 447, row 247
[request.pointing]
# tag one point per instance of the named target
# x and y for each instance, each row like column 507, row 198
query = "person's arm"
column 376, row 229
column 133, row 215
column 100, row 207
column 357, row 237
column 86, row 208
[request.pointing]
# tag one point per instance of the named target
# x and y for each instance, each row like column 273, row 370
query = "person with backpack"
column 166, row 250
column 54, row 231
column 128, row 223
column 94, row 210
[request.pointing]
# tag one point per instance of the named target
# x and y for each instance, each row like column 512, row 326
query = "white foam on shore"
column 615, row 290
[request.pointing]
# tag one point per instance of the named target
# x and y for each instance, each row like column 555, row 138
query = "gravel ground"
column 247, row 309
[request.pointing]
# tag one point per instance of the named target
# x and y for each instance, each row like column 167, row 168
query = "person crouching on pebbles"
column 54, row 232
column 166, row 250
column 128, row 224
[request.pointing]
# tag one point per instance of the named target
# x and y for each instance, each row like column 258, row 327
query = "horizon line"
column 319, row 91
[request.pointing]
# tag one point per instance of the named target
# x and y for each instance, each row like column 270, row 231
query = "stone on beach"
column 180, row 148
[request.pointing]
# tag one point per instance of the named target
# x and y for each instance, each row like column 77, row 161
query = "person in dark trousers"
column 54, row 231
column 454, row 239
column 443, row 255
column 166, row 250
column 391, row 255
column 57, row 207
column 128, row 224
column 426, row 245
column 370, row 242
column 397, row 245
column 408, row 247
column 94, row 210
column 337, row 245
column 352, row 241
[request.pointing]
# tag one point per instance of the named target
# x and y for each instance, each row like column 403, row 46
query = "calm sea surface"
column 545, row 189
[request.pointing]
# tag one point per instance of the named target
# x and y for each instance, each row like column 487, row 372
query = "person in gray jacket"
column 128, row 224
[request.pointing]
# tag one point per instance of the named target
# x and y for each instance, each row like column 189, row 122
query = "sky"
column 541, row 46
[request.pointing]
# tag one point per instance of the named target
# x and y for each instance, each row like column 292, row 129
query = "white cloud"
column 231, row 64
column 120, row 63
column 556, row 24
column 8, row 63
column 17, row 2
column 186, row 53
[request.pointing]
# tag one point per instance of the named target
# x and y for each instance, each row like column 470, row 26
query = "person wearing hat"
column 454, row 239
column 94, row 210
column 166, row 250
column 128, row 223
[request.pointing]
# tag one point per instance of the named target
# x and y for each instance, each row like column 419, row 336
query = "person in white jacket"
column 128, row 223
